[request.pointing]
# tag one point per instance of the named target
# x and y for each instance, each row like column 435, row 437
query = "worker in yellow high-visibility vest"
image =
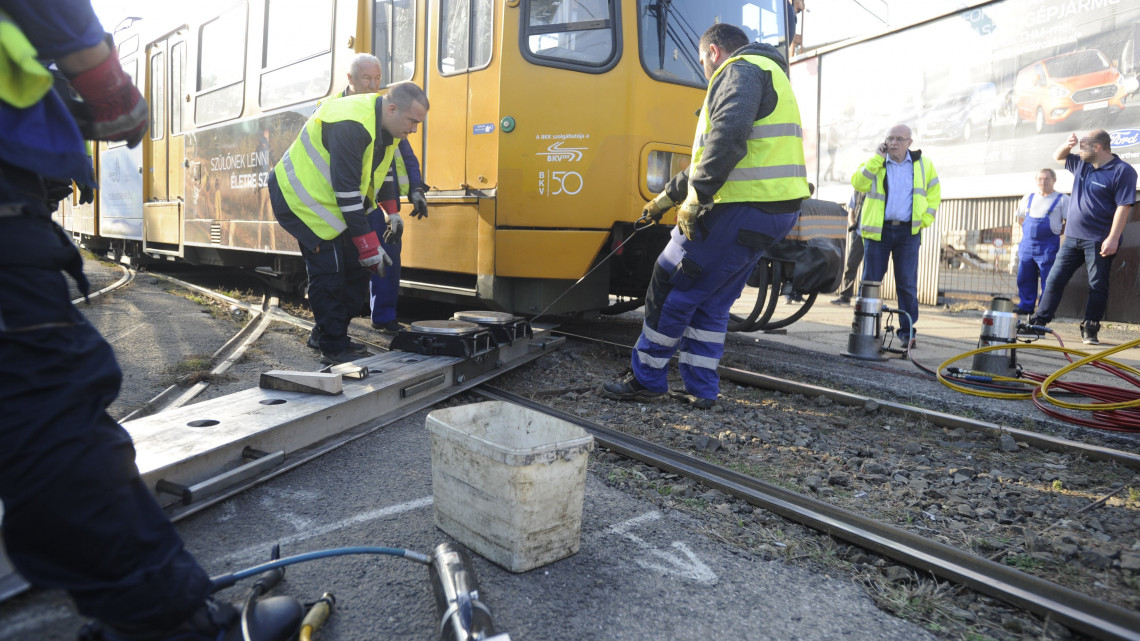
column 318, row 191
column 740, row 195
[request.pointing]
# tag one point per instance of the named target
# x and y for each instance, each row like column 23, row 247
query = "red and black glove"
column 372, row 256
column 118, row 110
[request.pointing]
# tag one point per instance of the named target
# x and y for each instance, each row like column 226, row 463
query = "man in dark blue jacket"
column 1104, row 190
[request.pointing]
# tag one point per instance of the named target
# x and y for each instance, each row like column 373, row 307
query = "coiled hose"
column 1113, row 408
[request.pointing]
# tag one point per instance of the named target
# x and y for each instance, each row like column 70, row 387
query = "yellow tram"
column 552, row 122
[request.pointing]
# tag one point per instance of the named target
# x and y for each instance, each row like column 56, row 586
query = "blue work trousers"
column 899, row 246
column 384, row 292
column 693, row 286
column 338, row 287
column 77, row 517
column 1073, row 253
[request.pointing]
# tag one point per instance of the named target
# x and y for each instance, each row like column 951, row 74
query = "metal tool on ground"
column 506, row 328
column 999, row 327
column 462, row 615
column 444, row 338
column 316, row 616
column 865, row 341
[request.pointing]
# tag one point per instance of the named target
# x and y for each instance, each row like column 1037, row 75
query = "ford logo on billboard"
column 1125, row 137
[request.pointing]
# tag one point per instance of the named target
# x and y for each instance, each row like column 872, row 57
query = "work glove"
column 118, row 110
column 419, row 203
column 688, row 215
column 657, row 207
column 395, row 228
column 86, row 194
column 372, row 256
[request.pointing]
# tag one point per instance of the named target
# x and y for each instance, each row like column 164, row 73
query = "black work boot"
column 213, row 620
column 1089, row 330
column 271, row 619
column 314, row 343
column 627, row 388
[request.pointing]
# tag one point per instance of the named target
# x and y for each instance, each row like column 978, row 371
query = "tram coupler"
column 999, row 327
column 865, row 341
column 462, row 616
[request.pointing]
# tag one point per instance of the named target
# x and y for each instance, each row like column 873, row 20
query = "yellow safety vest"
column 23, row 80
column 926, row 195
column 774, row 168
column 401, row 172
column 304, row 173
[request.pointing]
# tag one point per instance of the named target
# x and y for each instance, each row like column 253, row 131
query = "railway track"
column 927, row 546
column 1074, row 609
column 1038, row 521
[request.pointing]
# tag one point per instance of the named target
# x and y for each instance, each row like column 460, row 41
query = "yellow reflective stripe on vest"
column 304, row 173
column 23, row 80
column 403, row 183
column 774, row 168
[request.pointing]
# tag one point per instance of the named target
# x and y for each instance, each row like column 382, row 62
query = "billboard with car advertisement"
column 990, row 92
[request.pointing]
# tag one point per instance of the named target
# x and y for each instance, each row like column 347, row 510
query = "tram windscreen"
column 670, row 32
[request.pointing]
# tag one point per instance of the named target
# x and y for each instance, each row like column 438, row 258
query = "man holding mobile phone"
column 902, row 196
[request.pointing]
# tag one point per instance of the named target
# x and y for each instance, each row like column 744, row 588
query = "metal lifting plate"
column 452, row 327
column 485, row 317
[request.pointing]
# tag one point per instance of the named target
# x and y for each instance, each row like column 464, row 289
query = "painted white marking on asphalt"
column 659, row 560
column 116, row 337
column 261, row 550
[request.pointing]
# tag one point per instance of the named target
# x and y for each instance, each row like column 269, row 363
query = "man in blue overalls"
column 741, row 195
column 1042, row 216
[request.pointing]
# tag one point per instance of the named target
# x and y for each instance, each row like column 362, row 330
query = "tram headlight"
column 661, row 166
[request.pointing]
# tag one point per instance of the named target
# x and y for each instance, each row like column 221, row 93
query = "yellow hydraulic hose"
column 1085, row 358
column 1088, row 359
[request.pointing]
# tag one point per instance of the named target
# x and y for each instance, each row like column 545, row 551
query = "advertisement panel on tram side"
column 227, row 200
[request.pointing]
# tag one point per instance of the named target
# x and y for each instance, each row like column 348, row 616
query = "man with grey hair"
column 902, row 196
column 366, row 76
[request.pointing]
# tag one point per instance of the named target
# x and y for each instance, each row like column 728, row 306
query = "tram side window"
column 670, row 32
column 571, row 33
column 394, row 39
column 297, row 59
column 466, row 32
column 221, row 67
column 128, row 46
column 157, row 96
column 177, row 88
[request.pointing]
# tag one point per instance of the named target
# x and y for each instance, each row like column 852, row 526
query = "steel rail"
column 942, row 419
column 1069, row 607
column 128, row 276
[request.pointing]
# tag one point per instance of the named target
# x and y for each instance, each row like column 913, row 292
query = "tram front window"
column 671, row 31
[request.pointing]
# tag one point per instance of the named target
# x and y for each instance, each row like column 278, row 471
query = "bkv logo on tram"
column 557, row 153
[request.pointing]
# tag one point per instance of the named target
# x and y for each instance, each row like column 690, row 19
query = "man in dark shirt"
column 1104, row 189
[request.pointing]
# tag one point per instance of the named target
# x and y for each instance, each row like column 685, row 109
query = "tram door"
column 163, row 169
column 461, row 86
column 155, row 167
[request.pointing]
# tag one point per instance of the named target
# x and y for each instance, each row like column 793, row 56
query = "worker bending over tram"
column 318, row 192
column 741, row 195
column 364, row 76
